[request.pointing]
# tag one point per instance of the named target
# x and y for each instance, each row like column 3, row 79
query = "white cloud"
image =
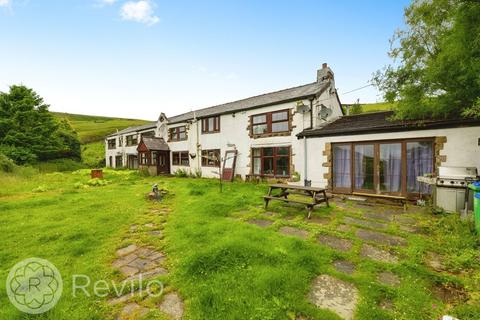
column 139, row 11
column 4, row 3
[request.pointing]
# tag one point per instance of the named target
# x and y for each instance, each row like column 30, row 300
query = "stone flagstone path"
column 336, row 295
column 144, row 262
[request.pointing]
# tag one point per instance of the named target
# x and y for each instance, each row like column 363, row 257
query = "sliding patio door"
column 382, row 167
column 364, row 168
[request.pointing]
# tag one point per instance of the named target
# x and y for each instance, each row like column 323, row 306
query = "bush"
column 19, row 155
column 6, row 164
column 181, row 173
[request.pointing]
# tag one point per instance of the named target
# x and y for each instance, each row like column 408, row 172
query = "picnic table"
column 314, row 196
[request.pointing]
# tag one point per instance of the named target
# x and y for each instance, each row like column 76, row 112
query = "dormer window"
column 211, row 124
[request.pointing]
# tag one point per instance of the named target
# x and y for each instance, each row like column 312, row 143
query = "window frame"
column 111, row 146
column 131, row 140
column 376, row 144
column 206, row 126
column 206, row 158
column 143, row 159
column 181, row 155
column 275, row 156
column 269, row 122
column 175, row 133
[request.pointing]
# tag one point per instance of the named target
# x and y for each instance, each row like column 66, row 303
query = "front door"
column 163, row 162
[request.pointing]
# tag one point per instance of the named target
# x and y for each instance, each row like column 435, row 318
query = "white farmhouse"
column 299, row 134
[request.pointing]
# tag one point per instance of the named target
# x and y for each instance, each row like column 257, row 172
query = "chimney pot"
column 324, row 65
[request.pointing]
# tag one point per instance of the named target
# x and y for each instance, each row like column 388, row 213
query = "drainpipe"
column 311, row 113
column 198, row 142
column 306, row 183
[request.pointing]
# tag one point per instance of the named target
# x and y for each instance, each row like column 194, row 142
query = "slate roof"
column 155, row 143
column 379, row 122
column 150, row 125
column 266, row 99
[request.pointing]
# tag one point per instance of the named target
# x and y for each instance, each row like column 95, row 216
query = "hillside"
column 95, row 128
column 374, row 107
column 92, row 130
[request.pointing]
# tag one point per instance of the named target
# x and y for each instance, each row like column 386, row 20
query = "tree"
column 356, row 108
column 29, row 132
column 436, row 70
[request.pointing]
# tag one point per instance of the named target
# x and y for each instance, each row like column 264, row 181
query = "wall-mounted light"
column 193, row 155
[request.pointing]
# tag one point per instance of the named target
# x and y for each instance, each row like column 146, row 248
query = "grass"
column 375, row 107
column 222, row 266
column 96, row 128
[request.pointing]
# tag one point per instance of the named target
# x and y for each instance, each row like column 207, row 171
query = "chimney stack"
column 325, row 73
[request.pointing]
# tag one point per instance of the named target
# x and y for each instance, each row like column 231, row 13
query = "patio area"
column 390, row 250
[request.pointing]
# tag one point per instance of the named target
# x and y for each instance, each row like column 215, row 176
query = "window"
column 154, row 156
column 120, row 141
column 148, row 134
column 110, row 161
column 132, row 140
column 419, row 162
column 111, row 143
column 384, row 167
column 342, row 155
column 211, row 158
column 210, row 125
column 273, row 161
column 118, row 161
column 178, row 133
column 143, row 158
column 272, row 122
column 180, row 158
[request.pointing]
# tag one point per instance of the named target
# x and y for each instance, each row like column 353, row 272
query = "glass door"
column 364, row 167
column 390, row 168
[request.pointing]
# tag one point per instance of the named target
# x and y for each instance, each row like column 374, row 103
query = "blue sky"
column 137, row 58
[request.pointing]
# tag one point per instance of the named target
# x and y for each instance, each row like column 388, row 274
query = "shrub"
column 181, row 173
column 6, row 164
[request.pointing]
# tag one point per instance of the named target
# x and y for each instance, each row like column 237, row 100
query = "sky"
column 137, row 58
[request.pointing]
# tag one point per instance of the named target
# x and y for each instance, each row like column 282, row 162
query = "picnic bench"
column 314, row 196
column 402, row 200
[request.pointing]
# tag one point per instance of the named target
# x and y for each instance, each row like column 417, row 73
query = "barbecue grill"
column 451, row 188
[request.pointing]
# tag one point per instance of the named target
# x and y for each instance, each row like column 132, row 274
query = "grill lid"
column 457, row 173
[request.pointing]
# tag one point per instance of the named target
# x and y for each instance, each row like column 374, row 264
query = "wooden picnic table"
column 315, row 196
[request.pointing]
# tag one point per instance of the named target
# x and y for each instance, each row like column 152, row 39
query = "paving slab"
column 172, row 305
column 148, row 274
column 292, row 231
column 377, row 254
column 127, row 250
column 405, row 220
column 128, row 271
column 155, row 233
column 335, row 242
column 132, row 311
column 388, row 278
column 365, row 223
column 344, row 266
column 339, row 296
column 319, row 220
column 384, row 216
column 124, row 260
column 380, row 238
column 344, row 228
column 260, row 222
column 434, row 261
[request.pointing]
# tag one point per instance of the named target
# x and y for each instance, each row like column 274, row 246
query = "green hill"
column 373, row 107
column 92, row 131
column 95, row 128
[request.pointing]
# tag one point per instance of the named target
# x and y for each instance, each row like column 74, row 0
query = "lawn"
column 219, row 261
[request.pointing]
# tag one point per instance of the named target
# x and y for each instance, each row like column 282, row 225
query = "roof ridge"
column 251, row 97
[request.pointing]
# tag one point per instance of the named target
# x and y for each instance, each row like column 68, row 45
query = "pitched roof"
column 150, row 125
column 153, row 143
column 266, row 99
column 379, row 122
